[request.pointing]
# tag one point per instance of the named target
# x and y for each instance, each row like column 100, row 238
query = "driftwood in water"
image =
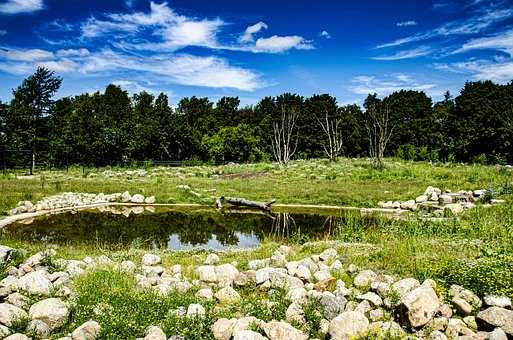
column 242, row 202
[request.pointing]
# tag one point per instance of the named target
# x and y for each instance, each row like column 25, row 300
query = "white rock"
column 10, row 314
column 303, row 272
column 150, row 259
column 212, row 259
column 295, row 313
column 222, row 329
column 155, row 333
column 125, row 197
column 4, row 331
column 227, row 295
column 128, row 266
column 364, row 278
column 372, row 298
column 497, row 334
column 421, row 305
column 51, row 311
column 89, row 330
column 348, row 325
column 421, row 199
column 279, row 330
column 297, row 295
column 205, row 294
column 405, row 285
column 226, row 274
column 137, row 198
column 247, row 335
column 195, row 310
column 35, row 283
column 497, row 300
column 39, row 328
column 207, row 273
column 322, row 275
column 149, row 200
column 328, row 254
column 17, row 336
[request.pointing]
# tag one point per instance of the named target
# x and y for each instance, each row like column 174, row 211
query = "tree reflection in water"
column 171, row 228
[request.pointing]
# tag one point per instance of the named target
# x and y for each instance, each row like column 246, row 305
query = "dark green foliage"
column 110, row 128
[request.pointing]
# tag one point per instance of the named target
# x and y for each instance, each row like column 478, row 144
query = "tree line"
column 112, row 127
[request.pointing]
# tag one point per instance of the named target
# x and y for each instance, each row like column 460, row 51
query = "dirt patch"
column 243, row 175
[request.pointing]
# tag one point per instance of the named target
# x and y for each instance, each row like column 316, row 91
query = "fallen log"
column 242, row 202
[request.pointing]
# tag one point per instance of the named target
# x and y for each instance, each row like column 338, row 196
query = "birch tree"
column 285, row 136
column 379, row 131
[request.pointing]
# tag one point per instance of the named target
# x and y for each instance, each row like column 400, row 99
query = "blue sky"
column 252, row 49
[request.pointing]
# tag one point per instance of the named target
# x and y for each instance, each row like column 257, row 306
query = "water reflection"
column 176, row 229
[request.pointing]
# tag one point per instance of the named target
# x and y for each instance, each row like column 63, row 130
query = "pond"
column 175, row 228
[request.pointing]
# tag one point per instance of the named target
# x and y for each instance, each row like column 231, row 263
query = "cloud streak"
column 384, row 86
column 483, row 19
column 406, row 54
column 21, row 6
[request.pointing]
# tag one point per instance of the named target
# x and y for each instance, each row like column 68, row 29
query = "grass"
column 351, row 182
column 474, row 251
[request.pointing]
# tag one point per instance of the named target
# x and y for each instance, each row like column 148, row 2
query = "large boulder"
column 10, row 314
column 51, row 311
column 496, row 317
column 419, row 306
column 348, row 325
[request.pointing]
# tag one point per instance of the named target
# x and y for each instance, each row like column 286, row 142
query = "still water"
column 176, row 229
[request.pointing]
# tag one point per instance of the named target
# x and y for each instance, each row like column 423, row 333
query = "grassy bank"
column 348, row 182
column 475, row 250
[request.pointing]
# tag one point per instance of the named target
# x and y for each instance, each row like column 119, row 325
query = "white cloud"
column 81, row 52
column 499, row 70
column 62, row 65
column 475, row 24
column 325, row 35
column 192, row 33
column 406, row 23
column 277, row 44
column 20, row 6
column 133, row 86
column 175, row 30
column 3, row 32
column 183, row 69
column 407, row 54
column 370, row 84
column 502, row 42
column 251, row 30
column 25, row 55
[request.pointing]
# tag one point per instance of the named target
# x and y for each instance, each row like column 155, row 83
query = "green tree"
column 233, row 144
column 32, row 102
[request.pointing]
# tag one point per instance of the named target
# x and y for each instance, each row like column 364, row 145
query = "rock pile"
column 25, row 295
column 374, row 304
column 436, row 201
column 71, row 199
